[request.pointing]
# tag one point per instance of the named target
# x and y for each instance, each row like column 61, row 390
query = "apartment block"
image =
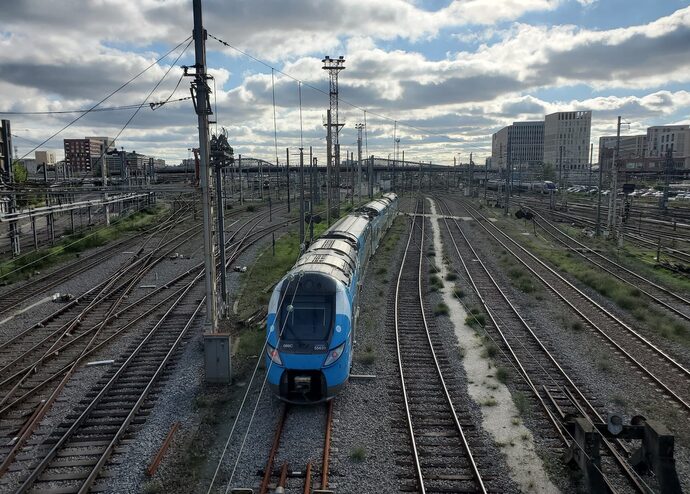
column 81, row 155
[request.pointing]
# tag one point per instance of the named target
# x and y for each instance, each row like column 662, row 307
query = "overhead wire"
column 263, row 385
column 349, row 103
column 139, row 107
column 246, row 394
column 275, row 125
column 95, row 110
column 112, row 93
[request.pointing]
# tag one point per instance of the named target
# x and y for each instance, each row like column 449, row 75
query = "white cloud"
column 465, row 95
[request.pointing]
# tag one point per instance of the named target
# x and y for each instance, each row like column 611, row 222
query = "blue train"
column 312, row 314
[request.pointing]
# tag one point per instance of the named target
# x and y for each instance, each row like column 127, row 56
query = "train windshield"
column 309, row 321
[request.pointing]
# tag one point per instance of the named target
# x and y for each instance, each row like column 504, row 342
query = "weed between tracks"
column 358, row 454
column 72, row 244
column 441, row 309
column 628, row 298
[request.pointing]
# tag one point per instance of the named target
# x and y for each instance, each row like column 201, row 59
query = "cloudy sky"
column 450, row 73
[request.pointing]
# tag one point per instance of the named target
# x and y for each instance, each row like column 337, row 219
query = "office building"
column 566, row 139
column 632, row 148
column 660, row 139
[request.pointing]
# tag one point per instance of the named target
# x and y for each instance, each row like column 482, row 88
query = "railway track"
column 173, row 307
column 74, row 454
column 644, row 222
column 13, row 297
column 650, row 241
column 542, row 376
column 42, row 359
column 661, row 369
column 670, row 300
column 285, row 473
column 442, row 460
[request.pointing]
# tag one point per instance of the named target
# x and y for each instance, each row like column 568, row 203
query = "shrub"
column 501, row 374
column 441, row 310
column 451, row 276
column 490, row 349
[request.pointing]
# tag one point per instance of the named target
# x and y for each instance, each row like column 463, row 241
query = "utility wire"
column 107, row 97
column 139, row 107
column 88, row 110
column 246, row 393
column 353, row 105
column 275, row 125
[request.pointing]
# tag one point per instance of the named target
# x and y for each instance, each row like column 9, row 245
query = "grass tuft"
column 358, row 454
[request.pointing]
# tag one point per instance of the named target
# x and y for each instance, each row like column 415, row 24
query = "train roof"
column 335, row 264
column 350, row 228
column 375, row 207
column 335, row 245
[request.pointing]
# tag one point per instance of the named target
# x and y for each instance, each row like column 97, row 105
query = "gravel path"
column 618, row 388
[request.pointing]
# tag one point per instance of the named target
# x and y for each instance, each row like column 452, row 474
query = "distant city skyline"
column 451, row 73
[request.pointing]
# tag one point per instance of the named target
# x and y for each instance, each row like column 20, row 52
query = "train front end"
column 309, row 340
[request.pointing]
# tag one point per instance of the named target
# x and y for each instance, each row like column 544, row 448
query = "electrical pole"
column 336, row 189
column 486, row 182
column 668, row 165
column 333, row 66
column 404, row 170
column 203, row 110
column 312, row 192
column 287, row 170
column 301, row 196
column 498, row 185
column 329, row 165
column 614, row 182
column 471, row 171
column 239, row 172
column 359, row 128
column 221, row 157
column 597, row 230
column 560, row 170
column 352, row 179
column 591, row 157
column 371, row 177
column 509, row 174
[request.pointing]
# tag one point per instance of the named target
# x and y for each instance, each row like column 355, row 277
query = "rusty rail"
column 327, row 447
column 153, row 467
column 272, row 455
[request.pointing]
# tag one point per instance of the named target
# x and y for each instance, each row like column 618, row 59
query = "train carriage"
column 312, row 314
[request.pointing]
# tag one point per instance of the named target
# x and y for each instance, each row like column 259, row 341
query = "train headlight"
column 273, row 354
column 334, row 354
